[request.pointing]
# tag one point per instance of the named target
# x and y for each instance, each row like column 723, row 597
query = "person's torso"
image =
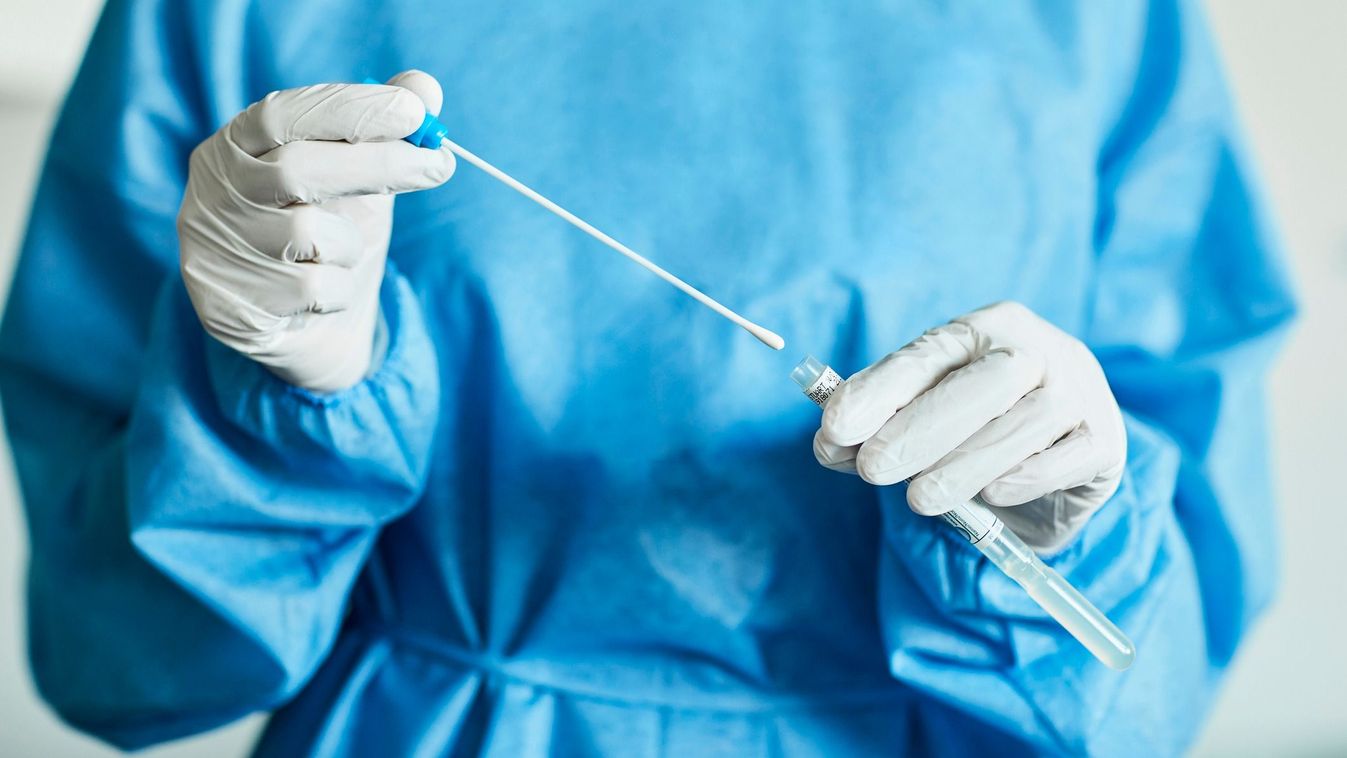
column 622, row 480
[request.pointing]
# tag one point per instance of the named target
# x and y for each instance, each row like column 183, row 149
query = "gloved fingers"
column 317, row 235
column 1033, row 425
column 424, row 86
column 275, row 290
column 835, row 457
column 311, row 172
column 365, row 211
column 287, row 289
column 1074, row 461
column 318, row 288
column 869, row 398
column 229, row 319
column 345, row 112
column 1007, row 321
column 941, row 418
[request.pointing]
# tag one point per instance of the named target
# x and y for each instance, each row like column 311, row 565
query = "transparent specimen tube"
column 979, row 525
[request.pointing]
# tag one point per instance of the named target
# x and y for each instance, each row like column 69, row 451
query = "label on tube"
column 823, row 388
column 974, row 522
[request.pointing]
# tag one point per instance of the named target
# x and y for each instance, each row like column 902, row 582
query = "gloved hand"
column 285, row 224
column 999, row 403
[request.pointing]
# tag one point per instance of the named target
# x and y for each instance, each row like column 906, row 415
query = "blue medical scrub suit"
column 572, row 512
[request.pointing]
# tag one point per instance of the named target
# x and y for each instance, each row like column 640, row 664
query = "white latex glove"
column 285, row 224
column 998, row 403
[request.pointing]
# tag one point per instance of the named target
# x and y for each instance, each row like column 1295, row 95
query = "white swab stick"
column 766, row 336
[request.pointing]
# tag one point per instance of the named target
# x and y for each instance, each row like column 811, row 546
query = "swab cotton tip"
column 767, row 337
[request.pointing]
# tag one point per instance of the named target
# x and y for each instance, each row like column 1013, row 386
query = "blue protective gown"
column 574, row 513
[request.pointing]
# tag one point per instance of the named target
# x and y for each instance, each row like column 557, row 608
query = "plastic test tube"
column 981, row 527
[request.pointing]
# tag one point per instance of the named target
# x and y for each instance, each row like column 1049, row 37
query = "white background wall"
column 1288, row 64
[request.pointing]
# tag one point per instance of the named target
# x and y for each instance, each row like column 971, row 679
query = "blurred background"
column 1287, row 63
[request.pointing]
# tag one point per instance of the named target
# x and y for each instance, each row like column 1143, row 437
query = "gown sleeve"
column 195, row 524
column 1190, row 302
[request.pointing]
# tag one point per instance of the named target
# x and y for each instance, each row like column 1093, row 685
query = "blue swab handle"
column 429, row 134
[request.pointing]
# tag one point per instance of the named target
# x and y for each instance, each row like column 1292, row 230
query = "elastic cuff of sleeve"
column 382, row 426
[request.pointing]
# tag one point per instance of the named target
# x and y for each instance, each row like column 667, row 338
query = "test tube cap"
column 807, row 372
